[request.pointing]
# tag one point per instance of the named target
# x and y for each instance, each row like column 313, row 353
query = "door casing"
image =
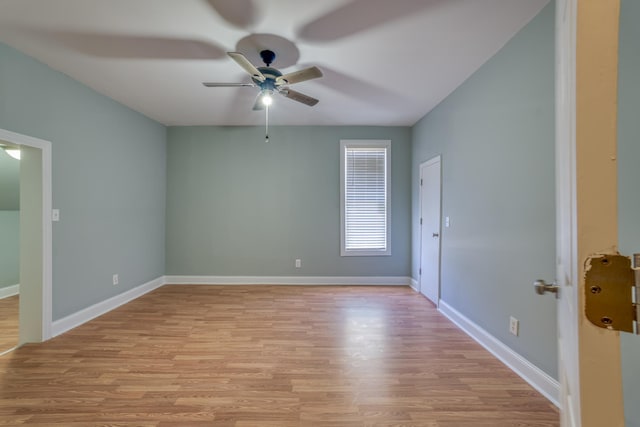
column 36, row 292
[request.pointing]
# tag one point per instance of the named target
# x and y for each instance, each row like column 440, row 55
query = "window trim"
column 370, row 143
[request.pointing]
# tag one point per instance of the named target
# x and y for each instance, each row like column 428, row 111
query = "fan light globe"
column 267, row 99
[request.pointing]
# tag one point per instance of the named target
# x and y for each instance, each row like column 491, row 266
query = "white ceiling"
column 385, row 62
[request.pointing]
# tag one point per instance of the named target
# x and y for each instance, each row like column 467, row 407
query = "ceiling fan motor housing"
column 270, row 74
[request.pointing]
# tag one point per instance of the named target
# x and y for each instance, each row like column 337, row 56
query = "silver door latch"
column 542, row 287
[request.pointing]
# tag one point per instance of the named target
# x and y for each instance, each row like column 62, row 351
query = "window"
column 364, row 197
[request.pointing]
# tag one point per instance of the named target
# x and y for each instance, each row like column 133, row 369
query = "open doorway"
column 35, row 237
column 9, row 245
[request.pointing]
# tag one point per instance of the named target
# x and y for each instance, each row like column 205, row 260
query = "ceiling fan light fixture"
column 267, row 99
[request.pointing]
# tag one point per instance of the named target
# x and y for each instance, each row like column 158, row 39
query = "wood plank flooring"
column 267, row 356
column 9, row 322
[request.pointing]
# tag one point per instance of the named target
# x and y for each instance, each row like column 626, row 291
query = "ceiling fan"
column 270, row 80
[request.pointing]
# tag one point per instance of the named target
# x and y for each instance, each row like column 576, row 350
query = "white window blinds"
column 365, row 213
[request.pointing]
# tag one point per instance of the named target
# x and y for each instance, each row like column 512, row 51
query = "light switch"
column 446, row 221
column 55, row 215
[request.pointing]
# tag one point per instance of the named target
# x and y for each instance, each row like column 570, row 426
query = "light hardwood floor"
column 267, row 356
column 8, row 322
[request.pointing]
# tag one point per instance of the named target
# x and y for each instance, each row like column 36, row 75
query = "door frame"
column 42, row 301
column 431, row 161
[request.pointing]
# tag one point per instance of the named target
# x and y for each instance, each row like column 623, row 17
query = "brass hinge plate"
column 609, row 286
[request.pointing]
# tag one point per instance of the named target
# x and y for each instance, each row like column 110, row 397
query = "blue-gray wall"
column 109, row 180
column 629, row 177
column 496, row 137
column 239, row 206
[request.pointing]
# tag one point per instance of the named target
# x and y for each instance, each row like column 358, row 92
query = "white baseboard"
column 76, row 319
column 288, row 280
column 9, row 291
column 414, row 285
column 536, row 377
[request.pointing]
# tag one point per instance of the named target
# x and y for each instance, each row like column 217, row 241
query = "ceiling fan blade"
column 361, row 15
column 300, row 97
column 300, row 76
column 239, row 13
column 242, row 61
column 123, row 46
column 208, row 84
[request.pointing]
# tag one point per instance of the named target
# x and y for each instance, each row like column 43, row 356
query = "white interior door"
column 430, row 200
column 586, row 91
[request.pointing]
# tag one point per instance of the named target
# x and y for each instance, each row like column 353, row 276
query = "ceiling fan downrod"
column 268, row 56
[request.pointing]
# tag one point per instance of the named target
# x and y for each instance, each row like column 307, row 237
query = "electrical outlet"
column 298, row 263
column 116, row 279
column 514, row 326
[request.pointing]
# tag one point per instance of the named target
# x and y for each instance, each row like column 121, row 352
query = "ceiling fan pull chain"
column 266, row 139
